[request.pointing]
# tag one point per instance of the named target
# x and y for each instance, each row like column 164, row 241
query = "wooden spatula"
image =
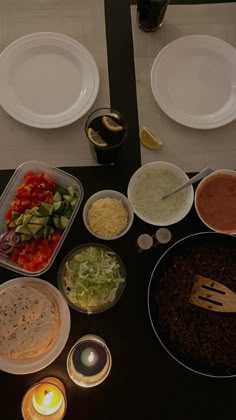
column 212, row 295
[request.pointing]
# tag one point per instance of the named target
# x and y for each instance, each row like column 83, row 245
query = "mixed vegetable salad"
column 36, row 219
column 91, row 278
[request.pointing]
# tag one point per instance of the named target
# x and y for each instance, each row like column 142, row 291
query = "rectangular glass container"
column 63, row 179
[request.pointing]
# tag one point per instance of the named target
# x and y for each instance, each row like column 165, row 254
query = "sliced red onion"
column 2, row 254
column 3, row 235
column 8, row 241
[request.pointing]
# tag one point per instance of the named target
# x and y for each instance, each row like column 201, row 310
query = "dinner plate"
column 47, row 80
column 34, row 364
column 193, row 80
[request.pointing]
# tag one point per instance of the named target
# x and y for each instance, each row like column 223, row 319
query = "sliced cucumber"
column 59, row 206
column 39, row 220
column 34, row 211
column 74, row 202
column 39, row 234
column 51, row 231
column 12, row 224
column 19, row 220
column 71, row 191
column 57, row 197
column 64, row 221
column 25, row 237
column 46, row 209
column 66, row 205
column 68, row 212
column 23, row 229
column 67, row 197
column 57, row 223
column 34, row 228
column 26, row 219
column 62, row 190
column 42, row 220
column 15, row 214
column 48, row 230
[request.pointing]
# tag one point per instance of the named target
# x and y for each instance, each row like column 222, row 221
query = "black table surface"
column 144, row 382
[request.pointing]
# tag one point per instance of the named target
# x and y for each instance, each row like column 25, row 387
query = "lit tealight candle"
column 47, row 399
column 89, row 357
column 89, row 361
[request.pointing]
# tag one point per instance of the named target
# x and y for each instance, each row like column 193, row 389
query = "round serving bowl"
column 22, row 364
column 150, row 183
column 92, row 278
column 215, row 201
column 201, row 340
column 109, row 217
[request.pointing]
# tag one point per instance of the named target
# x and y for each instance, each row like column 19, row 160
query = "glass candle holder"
column 45, row 400
column 89, row 361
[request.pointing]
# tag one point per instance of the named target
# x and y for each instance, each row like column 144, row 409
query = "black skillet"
column 183, row 247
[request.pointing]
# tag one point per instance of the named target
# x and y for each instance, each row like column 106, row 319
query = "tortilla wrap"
column 29, row 319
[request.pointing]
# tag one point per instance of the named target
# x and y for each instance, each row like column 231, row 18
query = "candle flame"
column 48, row 398
column 91, row 357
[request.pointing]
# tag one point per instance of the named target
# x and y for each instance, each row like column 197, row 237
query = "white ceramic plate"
column 35, row 364
column 47, row 80
column 193, row 80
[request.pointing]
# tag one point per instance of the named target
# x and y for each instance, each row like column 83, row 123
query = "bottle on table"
column 151, row 14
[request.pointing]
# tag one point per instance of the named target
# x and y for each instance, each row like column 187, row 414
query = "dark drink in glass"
column 151, row 14
column 106, row 130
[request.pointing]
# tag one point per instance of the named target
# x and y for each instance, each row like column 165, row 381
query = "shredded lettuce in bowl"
column 92, row 277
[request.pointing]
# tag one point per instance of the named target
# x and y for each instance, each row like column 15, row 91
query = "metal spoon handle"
column 195, row 178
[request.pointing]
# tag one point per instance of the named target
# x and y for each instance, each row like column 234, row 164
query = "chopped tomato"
column 34, row 255
column 36, row 189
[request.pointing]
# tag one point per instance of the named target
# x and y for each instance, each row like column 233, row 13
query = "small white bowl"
column 174, row 216
column 220, row 211
column 111, row 194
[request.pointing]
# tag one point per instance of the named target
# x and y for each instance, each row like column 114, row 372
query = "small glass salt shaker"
column 161, row 237
column 144, row 242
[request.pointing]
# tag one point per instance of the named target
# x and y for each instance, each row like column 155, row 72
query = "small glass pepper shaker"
column 161, row 236
column 144, row 242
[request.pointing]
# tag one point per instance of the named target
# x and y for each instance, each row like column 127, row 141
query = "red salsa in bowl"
column 215, row 201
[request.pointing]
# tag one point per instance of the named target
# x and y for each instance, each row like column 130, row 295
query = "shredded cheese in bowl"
column 108, row 217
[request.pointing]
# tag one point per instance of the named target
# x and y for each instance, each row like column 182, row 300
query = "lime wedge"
column 110, row 123
column 149, row 139
column 96, row 138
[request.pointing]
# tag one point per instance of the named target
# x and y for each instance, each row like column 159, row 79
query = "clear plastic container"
column 63, row 179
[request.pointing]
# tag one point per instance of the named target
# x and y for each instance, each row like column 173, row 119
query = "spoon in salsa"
column 195, row 178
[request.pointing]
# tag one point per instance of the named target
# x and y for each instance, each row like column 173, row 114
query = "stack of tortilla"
column 29, row 319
